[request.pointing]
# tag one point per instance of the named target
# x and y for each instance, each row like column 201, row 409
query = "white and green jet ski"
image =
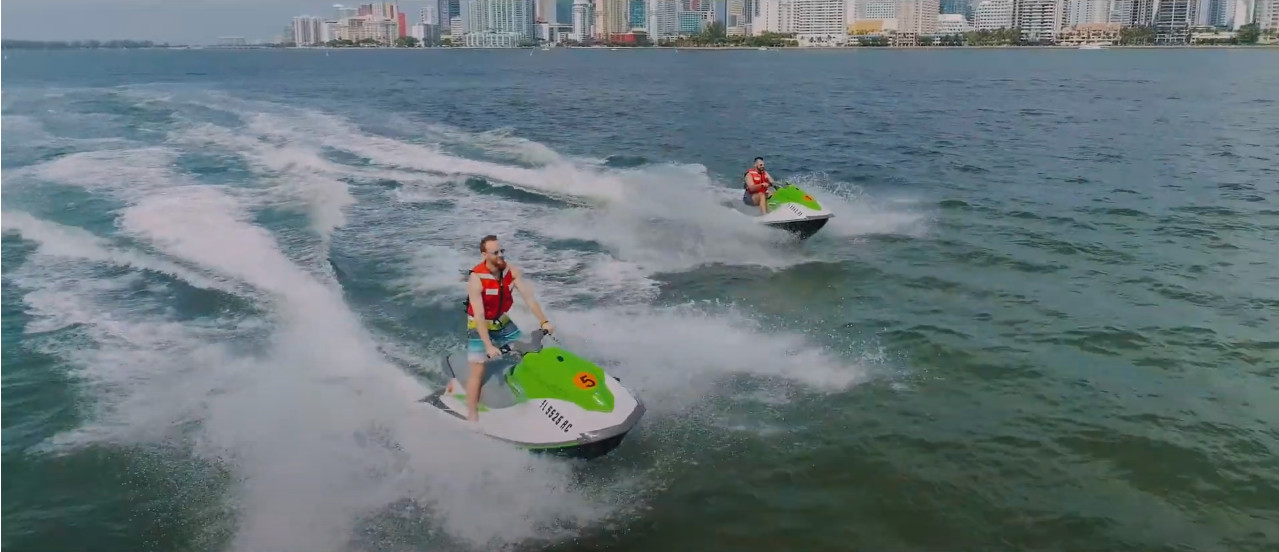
column 545, row 399
column 791, row 209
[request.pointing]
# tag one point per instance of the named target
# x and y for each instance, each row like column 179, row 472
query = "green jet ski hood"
column 789, row 193
column 554, row 373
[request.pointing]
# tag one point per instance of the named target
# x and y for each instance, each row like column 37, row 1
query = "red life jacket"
column 495, row 295
column 759, row 182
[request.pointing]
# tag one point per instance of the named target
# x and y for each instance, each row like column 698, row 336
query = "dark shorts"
column 747, row 199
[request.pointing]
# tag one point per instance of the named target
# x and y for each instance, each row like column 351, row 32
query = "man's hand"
column 492, row 351
column 546, row 325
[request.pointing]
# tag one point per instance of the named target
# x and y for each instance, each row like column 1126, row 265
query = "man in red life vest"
column 488, row 288
column 757, row 182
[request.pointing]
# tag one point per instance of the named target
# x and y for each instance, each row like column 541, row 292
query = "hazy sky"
column 173, row 21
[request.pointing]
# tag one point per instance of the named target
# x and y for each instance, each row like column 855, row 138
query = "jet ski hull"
column 793, row 210
column 588, row 446
column 802, row 229
column 515, row 410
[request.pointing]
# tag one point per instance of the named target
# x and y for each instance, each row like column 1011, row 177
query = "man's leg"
column 476, row 356
column 762, row 201
column 473, row 392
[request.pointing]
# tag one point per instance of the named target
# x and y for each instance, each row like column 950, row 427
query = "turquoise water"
column 1043, row 319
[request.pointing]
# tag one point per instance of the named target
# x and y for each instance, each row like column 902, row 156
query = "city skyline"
column 192, row 22
column 508, row 23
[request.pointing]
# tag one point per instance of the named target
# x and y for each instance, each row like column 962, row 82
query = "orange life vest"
column 495, row 295
column 759, row 181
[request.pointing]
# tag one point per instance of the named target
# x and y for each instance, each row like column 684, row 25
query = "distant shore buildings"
column 814, row 23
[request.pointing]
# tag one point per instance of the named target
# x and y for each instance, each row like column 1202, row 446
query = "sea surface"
column 1045, row 317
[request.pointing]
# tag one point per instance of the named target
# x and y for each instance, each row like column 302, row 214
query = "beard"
column 500, row 263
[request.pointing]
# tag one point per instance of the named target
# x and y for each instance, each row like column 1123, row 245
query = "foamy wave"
column 76, row 243
column 675, row 356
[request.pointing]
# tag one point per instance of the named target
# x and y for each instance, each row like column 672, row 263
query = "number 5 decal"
column 585, row 380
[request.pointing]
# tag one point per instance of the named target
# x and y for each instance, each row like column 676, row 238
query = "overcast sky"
column 172, row 21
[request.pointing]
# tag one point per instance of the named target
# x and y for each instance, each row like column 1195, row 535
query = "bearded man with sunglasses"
column 488, row 288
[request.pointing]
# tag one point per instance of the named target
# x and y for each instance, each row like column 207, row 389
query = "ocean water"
column 1046, row 316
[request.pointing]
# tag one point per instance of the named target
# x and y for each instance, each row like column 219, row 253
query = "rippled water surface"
column 1043, row 319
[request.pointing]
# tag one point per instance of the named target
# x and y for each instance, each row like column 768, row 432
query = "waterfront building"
column 993, row 15
column 1267, row 16
column 1101, row 34
column 952, row 24
column 663, row 19
column 1039, row 20
column 307, row 30
column 819, row 22
column 582, row 20
column 1080, row 12
column 775, row 17
column 1173, row 19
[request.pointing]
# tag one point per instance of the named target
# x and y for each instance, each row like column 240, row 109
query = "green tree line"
column 9, row 44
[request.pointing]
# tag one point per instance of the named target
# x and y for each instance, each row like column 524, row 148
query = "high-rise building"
column 1267, row 19
column 612, row 17
column 663, row 19
column 497, row 23
column 429, row 15
column 1132, row 12
column 307, row 31
column 918, row 17
column 691, row 22
column 953, row 6
column 1082, row 12
column 735, row 22
column 1039, row 20
column 949, row 24
column 582, row 19
column 819, row 20
column 448, row 9
column 342, row 12
column 1173, row 19
column 774, row 17
column 546, row 12
column 993, row 15
column 877, row 9
column 717, row 11
column 387, row 10
column 639, row 14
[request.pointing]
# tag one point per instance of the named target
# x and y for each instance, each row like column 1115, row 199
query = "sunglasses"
column 498, row 253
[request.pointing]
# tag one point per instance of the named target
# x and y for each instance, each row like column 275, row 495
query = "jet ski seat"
column 494, row 391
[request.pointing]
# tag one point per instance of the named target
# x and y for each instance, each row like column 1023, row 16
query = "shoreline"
column 707, row 48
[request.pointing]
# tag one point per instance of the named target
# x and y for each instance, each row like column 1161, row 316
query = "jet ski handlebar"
column 521, row 348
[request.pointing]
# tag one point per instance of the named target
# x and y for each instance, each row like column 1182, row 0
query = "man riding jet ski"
column 788, row 207
column 539, row 398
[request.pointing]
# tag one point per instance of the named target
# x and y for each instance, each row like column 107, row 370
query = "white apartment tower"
column 582, row 19
column 496, row 23
column 918, row 16
column 775, row 16
column 994, row 15
column 1267, row 15
column 663, row 19
column 1080, row 12
column 612, row 17
column 308, row 31
column 819, row 20
column 1173, row 19
column 1039, row 20
column 877, row 9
